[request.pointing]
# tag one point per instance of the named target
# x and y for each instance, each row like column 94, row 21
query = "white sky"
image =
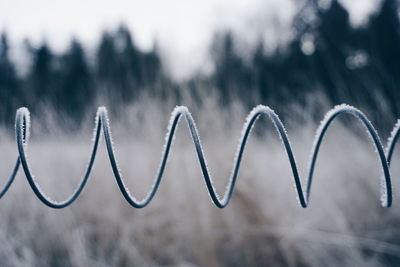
column 183, row 28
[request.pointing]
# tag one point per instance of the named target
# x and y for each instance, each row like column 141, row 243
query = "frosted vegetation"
column 263, row 223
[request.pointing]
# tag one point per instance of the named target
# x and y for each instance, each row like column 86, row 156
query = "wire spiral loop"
column 102, row 125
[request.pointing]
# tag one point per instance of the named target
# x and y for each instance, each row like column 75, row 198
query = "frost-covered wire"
column 102, row 124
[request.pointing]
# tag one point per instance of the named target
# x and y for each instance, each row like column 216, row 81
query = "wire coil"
column 102, row 125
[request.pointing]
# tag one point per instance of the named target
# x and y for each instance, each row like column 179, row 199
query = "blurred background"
column 62, row 59
column 70, row 55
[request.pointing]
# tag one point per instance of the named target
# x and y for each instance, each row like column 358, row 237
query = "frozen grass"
column 262, row 225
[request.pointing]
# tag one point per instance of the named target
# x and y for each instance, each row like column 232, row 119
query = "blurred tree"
column 10, row 94
column 332, row 42
column 42, row 77
column 262, row 72
column 152, row 70
column 75, row 93
column 384, row 42
column 123, row 70
column 128, row 69
column 107, row 60
column 232, row 76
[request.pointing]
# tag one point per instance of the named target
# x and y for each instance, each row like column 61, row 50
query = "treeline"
column 327, row 57
column 70, row 82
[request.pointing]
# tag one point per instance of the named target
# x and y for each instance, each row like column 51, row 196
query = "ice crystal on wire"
column 178, row 112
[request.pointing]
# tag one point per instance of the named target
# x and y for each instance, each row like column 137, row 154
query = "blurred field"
column 262, row 226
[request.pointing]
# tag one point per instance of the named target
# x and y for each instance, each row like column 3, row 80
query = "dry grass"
column 263, row 224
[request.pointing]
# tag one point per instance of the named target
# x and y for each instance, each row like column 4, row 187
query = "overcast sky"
column 183, row 28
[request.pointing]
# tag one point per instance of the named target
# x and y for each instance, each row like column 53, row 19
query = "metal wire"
column 102, row 125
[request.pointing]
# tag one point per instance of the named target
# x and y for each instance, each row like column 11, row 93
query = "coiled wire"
column 102, row 125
